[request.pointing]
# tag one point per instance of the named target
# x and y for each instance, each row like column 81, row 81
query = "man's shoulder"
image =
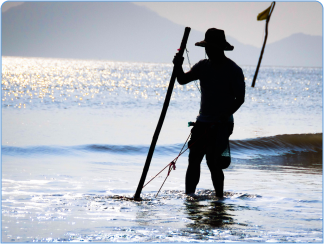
column 202, row 62
column 199, row 66
column 235, row 71
column 232, row 65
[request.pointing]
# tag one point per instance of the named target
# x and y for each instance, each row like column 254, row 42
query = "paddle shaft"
column 161, row 120
column 264, row 43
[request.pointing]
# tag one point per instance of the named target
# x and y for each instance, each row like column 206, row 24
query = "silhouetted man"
column 222, row 93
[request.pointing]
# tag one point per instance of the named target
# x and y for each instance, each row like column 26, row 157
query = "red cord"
column 172, row 164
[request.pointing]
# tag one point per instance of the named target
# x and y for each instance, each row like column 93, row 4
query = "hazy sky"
column 238, row 19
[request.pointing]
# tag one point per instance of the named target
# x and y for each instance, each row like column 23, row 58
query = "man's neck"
column 219, row 60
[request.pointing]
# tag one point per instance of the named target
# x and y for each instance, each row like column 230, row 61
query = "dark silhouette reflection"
column 209, row 214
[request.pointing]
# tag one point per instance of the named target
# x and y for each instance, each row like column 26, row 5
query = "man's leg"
column 193, row 171
column 217, row 144
column 217, row 176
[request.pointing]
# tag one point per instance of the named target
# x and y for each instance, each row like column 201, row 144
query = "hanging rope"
column 172, row 164
column 190, row 68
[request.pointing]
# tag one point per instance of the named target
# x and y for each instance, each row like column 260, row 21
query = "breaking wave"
column 247, row 148
column 277, row 145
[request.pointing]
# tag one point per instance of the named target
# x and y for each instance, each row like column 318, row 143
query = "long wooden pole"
column 137, row 195
column 264, row 43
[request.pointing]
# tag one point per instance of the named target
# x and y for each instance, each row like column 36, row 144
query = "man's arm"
column 239, row 92
column 238, row 88
column 239, row 100
column 182, row 77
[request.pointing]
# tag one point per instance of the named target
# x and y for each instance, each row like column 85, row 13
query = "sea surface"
column 75, row 136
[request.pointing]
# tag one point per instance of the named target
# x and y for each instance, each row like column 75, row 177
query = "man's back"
column 219, row 87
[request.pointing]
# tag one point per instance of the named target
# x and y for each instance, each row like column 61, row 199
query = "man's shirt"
column 220, row 86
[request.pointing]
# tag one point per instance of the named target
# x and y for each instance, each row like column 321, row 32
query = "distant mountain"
column 123, row 31
column 296, row 50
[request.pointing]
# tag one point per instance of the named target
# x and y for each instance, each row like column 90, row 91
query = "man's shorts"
column 212, row 139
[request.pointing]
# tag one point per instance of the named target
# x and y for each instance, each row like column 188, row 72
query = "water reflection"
column 209, row 214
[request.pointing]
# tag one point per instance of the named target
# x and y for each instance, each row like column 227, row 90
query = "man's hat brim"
column 226, row 46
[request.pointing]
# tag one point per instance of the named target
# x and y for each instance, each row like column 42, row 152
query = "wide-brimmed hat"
column 215, row 37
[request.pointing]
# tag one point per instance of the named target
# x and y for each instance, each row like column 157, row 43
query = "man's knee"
column 217, row 174
column 212, row 162
column 195, row 157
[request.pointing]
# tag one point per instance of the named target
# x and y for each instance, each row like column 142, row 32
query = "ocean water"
column 75, row 135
